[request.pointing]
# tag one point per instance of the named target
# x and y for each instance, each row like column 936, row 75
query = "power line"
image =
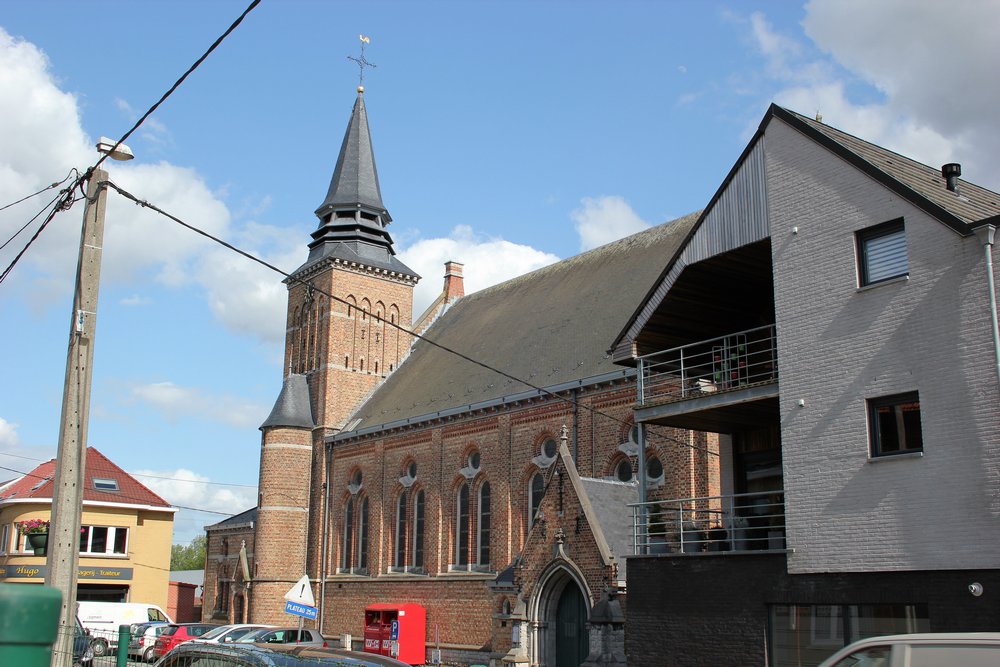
column 64, row 201
column 124, row 497
column 180, row 80
column 139, row 474
column 48, row 187
column 444, row 348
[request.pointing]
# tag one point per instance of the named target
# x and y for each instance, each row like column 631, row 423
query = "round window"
column 549, row 449
column 356, row 479
column 411, row 470
column 474, row 460
column 654, row 469
column 623, row 471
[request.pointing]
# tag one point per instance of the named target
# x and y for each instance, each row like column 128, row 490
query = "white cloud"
column 601, row 220
column 8, row 435
column 176, row 402
column 186, row 489
column 930, row 64
column 487, row 261
column 43, row 140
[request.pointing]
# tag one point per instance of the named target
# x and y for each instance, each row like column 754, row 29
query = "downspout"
column 576, row 426
column 985, row 234
column 641, row 441
column 325, row 536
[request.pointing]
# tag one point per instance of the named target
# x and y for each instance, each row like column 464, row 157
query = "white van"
column 932, row 649
column 103, row 618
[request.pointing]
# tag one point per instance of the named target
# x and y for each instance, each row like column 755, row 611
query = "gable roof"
column 921, row 185
column 550, row 328
column 37, row 485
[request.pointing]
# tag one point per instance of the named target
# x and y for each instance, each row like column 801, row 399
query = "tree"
column 190, row 557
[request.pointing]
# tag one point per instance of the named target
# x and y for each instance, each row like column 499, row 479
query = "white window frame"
column 111, row 539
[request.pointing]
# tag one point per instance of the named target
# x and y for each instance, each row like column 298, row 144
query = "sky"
column 507, row 136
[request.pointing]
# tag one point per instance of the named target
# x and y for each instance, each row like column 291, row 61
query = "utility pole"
column 63, row 555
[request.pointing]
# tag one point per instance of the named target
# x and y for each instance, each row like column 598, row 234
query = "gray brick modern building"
column 829, row 316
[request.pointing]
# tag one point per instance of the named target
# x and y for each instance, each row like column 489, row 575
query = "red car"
column 178, row 633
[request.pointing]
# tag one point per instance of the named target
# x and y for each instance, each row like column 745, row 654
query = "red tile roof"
column 38, row 484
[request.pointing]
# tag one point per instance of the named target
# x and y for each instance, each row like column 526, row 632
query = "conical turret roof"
column 352, row 217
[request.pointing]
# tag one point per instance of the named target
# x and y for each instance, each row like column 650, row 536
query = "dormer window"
column 105, row 484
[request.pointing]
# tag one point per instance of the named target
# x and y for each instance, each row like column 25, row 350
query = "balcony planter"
column 38, row 542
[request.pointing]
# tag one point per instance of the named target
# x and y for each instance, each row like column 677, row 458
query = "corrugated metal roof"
column 548, row 327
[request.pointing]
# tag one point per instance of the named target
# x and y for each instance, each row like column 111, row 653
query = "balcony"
column 729, row 363
column 745, row 522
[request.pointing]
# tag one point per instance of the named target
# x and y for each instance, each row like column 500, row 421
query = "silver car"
column 143, row 639
column 306, row 637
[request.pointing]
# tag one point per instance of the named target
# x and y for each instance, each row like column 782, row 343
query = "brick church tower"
column 344, row 306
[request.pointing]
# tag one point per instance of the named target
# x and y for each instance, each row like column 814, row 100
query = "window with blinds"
column 882, row 253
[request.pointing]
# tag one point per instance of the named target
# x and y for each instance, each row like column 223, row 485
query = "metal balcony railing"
column 735, row 361
column 740, row 522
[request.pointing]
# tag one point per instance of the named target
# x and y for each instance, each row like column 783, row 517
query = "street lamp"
column 63, row 556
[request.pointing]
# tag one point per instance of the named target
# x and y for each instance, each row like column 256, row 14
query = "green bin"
column 29, row 623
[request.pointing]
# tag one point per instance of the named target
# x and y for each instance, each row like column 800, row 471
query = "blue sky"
column 507, row 135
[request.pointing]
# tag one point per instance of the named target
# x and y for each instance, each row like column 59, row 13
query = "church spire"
column 352, row 217
column 354, row 186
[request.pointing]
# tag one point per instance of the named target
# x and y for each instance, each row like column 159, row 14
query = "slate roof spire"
column 352, row 217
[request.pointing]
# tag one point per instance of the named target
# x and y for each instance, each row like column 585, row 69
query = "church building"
column 467, row 472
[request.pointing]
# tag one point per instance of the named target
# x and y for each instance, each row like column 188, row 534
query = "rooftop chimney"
column 951, row 172
column 454, row 284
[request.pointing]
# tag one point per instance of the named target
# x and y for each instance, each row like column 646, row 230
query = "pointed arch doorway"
column 560, row 616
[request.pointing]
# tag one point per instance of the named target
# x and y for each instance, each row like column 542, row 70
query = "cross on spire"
column 362, row 63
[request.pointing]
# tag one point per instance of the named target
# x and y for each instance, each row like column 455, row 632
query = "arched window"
column 355, row 541
column 623, row 471
column 483, row 556
column 417, row 558
column 536, row 489
column 362, row 557
column 346, row 560
column 401, row 523
column 462, row 525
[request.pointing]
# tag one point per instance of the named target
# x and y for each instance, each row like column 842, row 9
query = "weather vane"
column 362, row 63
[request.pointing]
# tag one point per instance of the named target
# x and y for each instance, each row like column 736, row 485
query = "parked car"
column 271, row 655
column 143, row 639
column 305, row 637
column 104, row 618
column 226, row 634
column 176, row 634
column 82, row 652
column 958, row 649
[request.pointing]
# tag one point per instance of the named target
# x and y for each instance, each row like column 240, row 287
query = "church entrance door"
column 572, row 645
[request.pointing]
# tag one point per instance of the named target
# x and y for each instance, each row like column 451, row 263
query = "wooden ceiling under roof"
column 718, row 296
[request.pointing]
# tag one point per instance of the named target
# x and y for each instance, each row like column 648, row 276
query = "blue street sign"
column 394, row 633
column 301, row 610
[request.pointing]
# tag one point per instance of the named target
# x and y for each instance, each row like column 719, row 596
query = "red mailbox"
column 408, row 622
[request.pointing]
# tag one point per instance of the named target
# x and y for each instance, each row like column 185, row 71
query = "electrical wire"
column 180, row 80
column 444, row 348
column 122, row 496
column 48, row 187
column 64, row 201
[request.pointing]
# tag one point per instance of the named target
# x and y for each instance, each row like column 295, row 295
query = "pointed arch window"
column 354, row 556
column 401, row 525
column 536, row 490
column 483, row 552
column 462, row 525
column 417, row 558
